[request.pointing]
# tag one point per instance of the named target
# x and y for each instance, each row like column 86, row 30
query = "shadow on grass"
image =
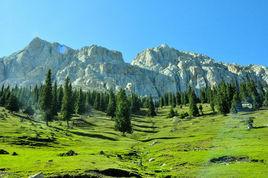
column 158, row 138
column 143, row 121
column 260, row 127
column 93, row 135
column 146, row 131
column 144, row 126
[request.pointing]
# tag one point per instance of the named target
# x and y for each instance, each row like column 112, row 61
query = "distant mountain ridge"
column 154, row 71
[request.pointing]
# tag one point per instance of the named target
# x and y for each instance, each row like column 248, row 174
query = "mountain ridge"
column 154, row 71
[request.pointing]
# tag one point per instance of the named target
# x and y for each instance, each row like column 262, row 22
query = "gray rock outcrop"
column 153, row 72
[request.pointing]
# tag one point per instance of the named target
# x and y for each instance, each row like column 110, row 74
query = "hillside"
column 207, row 146
column 155, row 71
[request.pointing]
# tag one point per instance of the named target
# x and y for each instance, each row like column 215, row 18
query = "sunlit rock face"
column 153, row 72
column 195, row 70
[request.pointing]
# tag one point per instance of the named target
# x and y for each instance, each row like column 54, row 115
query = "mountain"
column 154, row 71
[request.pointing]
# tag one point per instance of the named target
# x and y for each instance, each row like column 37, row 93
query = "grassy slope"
column 182, row 149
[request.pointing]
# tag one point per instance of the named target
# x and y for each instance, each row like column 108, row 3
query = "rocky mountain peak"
column 100, row 54
column 154, row 71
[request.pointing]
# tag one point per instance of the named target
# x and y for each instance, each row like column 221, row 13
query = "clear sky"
column 234, row 31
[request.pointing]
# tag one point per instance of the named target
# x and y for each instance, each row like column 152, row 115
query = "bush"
column 172, row 113
column 184, row 115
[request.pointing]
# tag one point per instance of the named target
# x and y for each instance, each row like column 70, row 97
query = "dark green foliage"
column 80, row 103
column 46, row 98
column 151, row 107
column 29, row 111
column 123, row 119
column 223, row 103
column 200, row 109
column 172, row 113
column 55, row 100
column 111, row 108
column 193, row 110
column 184, row 115
column 12, row 103
column 135, row 103
column 60, row 98
column 66, row 109
column 266, row 98
column 236, row 103
column 178, row 98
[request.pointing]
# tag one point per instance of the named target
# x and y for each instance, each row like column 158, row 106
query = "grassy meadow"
column 208, row 146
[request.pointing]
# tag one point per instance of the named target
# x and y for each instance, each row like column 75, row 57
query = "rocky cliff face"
column 153, row 72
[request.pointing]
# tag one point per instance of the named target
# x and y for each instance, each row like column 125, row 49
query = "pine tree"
column 123, row 119
column 135, row 103
column 46, row 103
column 266, row 98
column 236, row 103
column 60, row 98
column 111, row 108
column 178, row 98
column 66, row 108
column 54, row 100
column 80, row 103
column 223, row 103
column 12, row 103
column 151, row 107
column 193, row 110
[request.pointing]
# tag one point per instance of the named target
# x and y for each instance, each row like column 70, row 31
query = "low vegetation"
column 62, row 131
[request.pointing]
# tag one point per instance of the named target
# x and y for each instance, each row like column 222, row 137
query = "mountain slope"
column 153, row 72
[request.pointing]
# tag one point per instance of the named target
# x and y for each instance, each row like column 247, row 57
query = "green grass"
column 174, row 148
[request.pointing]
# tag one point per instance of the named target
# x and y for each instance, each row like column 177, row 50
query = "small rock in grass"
column 3, row 152
column 151, row 159
column 38, row 175
column 69, row 153
column 14, row 154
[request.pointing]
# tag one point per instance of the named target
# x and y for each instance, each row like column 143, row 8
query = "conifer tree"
column 123, row 119
column 266, row 98
column 193, row 110
column 80, row 103
column 135, row 103
column 46, row 103
column 12, row 103
column 151, row 107
column 66, row 108
column 178, row 98
column 54, row 99
column 60, row 98
column 111, row 108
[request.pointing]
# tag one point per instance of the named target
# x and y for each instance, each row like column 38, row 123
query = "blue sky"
column 234, row 31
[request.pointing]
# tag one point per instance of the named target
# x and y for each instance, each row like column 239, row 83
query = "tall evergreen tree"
column 46, row 103
column 55, row 99
column 266, row 98
column 123, row 119
column 135, row 103
column 60, row 98
column 193, row 110
column 223, row 104
column 12, row 103
column 80, row 103
column 66, row 108
column 111, row 108
column 151, row 107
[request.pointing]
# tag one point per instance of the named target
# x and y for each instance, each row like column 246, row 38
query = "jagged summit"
column 154, row 71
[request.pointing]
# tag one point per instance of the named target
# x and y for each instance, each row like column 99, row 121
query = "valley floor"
column 207, row 146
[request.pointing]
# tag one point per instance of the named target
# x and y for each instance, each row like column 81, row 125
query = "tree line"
column 224, row 98
column 61, row 102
